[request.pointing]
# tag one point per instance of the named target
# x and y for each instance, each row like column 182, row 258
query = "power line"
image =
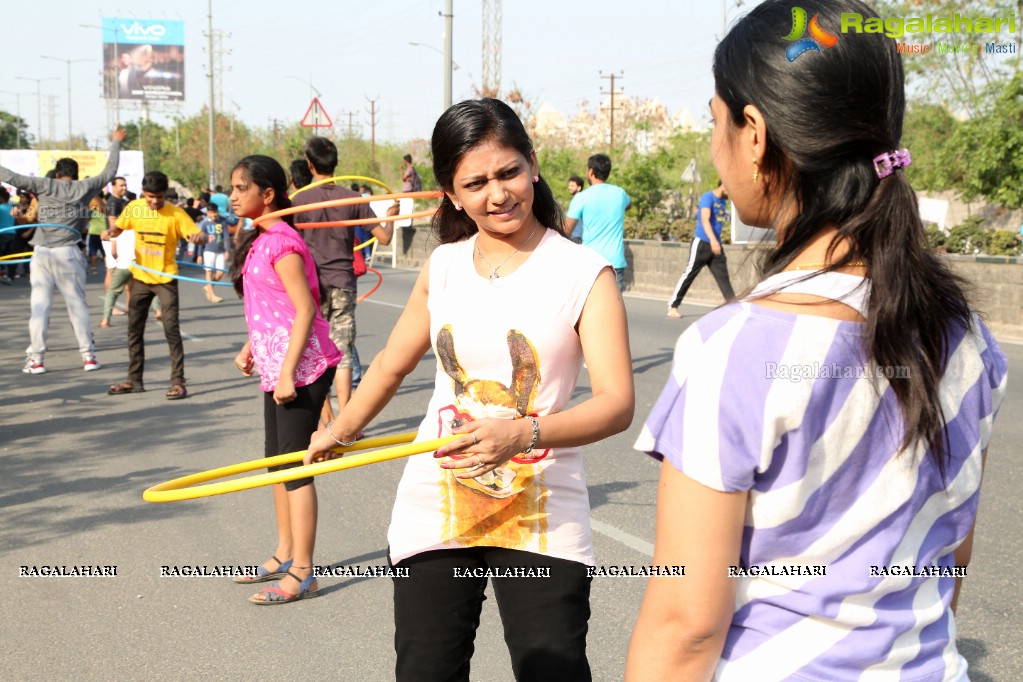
column 613, row 92
column 373, row 128
column 351, row 125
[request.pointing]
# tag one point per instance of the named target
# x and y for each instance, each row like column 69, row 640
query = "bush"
column 1003, row 243
column 935, row 236
column 968, row 238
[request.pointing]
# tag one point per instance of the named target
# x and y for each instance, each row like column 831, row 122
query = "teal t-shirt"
column 601, row 208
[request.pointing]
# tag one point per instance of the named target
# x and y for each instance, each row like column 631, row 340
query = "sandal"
column 263, row 575
column 673, row 313
column 275, row 595
column 125, row 387
column 176, row 392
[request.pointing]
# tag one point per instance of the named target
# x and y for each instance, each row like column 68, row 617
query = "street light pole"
column 454, row 64
column 68, row 62
column 312, row 88
column 39, row 101
column 449, row 14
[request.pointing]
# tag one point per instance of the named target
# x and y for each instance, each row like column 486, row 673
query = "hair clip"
column 887, row 163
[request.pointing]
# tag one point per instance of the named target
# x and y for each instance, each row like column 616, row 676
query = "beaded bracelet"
column 536, row 435
column 342, row 443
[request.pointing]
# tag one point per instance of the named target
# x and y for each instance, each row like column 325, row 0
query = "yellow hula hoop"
column 363, row 245
column 15, row 256
column 341, row 178
column 185, row 488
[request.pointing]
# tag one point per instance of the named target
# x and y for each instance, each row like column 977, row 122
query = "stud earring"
column 458, row 206
column 536, row 178
column 756, row 170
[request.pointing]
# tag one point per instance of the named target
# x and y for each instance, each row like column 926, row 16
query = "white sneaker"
column 33, row 366
column 89, row 362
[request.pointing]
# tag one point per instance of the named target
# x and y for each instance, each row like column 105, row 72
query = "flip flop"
column 125, row 387
column 176, row 392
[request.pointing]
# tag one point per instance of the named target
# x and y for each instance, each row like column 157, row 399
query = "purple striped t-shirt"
column 785, row 406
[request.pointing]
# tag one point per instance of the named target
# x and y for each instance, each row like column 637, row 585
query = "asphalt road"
column 74, row 462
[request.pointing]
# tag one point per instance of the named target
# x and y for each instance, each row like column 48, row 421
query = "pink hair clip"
column 887, row 163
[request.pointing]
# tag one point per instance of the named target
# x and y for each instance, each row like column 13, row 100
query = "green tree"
column 956, row 79
column 10, row 126
column 990, row 149
column 147, row 137
column 929, row 131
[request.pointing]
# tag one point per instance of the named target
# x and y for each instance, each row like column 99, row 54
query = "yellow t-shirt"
column 156, row 238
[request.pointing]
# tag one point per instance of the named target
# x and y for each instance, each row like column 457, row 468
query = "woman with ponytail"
column 822, row 438
column 289, row 345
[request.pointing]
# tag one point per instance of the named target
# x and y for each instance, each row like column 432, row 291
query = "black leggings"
column 289, row 426
column 436, row 613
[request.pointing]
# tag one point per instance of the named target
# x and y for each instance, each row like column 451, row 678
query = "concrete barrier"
column 654, row 269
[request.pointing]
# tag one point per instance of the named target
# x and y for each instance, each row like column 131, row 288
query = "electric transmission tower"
column 491, row 47
column 219, row 53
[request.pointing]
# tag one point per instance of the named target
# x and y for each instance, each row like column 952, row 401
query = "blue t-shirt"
column 601, row 208
column 718, row 212
column 6, row 219
column 218, row 231
column 577, row 231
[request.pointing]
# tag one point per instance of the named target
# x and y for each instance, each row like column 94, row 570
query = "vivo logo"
column 137, row 29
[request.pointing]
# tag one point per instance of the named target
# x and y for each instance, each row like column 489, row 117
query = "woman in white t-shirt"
column 511, row 309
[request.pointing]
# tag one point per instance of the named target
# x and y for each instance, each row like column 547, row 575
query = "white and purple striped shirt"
column 785, row 406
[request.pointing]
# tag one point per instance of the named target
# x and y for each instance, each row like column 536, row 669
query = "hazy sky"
column 552, row 50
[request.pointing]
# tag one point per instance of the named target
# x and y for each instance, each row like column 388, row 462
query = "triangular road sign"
column 316, row 116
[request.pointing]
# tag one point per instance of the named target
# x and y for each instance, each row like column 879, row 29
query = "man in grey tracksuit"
column 57, row 258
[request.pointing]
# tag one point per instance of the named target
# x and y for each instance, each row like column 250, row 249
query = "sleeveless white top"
column 505, row 348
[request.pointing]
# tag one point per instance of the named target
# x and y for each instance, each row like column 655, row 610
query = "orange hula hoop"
column 380, row 280
column 267, row 217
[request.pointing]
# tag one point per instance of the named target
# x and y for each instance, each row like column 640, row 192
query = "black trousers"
column 701, row 256
column 287, row 427
column 436, row 613
column 138, row 312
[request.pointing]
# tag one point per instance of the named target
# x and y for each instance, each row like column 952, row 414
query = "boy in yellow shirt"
column 158, row 226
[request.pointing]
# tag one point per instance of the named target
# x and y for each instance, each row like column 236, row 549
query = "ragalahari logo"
column 819, row 38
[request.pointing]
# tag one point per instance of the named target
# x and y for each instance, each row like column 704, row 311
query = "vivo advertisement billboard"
column 144, row 59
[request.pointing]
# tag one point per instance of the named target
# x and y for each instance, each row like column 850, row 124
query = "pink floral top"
column 270, row 314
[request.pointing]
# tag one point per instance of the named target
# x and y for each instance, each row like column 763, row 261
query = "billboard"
column 144, row 59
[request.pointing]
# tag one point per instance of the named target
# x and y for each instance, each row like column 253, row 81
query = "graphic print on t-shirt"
column 505, row 507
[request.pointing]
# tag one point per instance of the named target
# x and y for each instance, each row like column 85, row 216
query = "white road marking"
column 627, row 539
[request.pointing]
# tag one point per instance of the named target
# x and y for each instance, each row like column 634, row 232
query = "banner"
column 144, row 59
column 38, row 163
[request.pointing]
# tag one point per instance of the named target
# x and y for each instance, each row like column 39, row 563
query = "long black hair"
column 265, row 173
column 828, row 114
column 461, row 129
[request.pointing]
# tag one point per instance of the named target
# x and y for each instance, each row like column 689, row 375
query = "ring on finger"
column 474, row 438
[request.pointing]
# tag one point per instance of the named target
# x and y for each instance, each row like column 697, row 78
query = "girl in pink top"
column 289, row 343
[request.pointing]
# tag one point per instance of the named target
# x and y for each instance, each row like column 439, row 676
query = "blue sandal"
column 275, row 595
column 263, row 575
